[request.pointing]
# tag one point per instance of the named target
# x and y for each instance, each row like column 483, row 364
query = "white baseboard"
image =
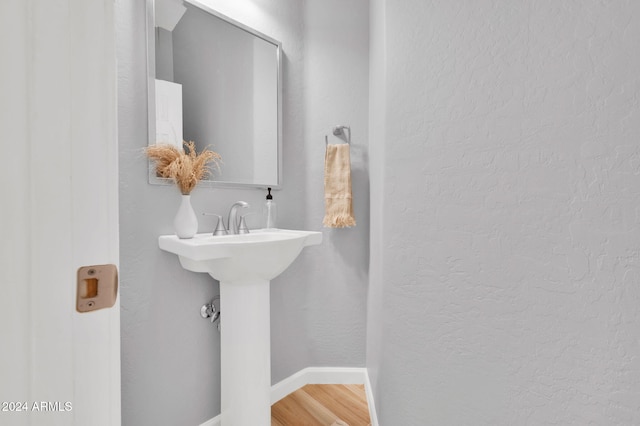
column 373, row 414
column 319, row 376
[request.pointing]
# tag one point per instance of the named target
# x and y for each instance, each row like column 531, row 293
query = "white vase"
column 186, row 222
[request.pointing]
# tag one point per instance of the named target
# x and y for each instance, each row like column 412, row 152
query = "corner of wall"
column 377, row 132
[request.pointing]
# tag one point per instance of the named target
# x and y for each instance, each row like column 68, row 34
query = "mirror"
column 216, row 82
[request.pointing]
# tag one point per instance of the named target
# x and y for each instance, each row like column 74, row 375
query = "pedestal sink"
column 244, row 264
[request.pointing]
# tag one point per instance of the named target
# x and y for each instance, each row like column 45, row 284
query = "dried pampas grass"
column 185, row 168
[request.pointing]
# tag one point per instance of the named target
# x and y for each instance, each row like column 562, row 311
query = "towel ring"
column 340, row 131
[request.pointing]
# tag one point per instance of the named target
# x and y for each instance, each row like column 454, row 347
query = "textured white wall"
column 510, row 214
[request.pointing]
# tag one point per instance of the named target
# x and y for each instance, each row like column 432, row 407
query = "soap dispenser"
column 269, row 212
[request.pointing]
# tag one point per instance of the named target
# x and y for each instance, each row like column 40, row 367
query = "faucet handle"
column 242, row 228
column 220, row 229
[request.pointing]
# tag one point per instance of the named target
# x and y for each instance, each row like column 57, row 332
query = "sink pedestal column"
column 244, row 264
column 245, row 353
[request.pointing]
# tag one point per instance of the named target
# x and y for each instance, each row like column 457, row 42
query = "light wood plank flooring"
column 322, row 405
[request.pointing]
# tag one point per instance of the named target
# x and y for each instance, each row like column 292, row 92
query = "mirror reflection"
column 216, row 82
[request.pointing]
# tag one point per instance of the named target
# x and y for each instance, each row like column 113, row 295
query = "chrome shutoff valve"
column 210, row 310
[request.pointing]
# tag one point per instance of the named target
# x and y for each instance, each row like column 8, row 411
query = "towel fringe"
column 339, row 221
column 339, row 213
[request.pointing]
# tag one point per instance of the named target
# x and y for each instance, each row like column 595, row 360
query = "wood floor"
column 322, row 405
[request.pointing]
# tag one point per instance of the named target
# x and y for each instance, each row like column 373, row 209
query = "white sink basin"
column 259, row 255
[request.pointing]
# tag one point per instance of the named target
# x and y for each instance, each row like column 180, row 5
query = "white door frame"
column 59, row 211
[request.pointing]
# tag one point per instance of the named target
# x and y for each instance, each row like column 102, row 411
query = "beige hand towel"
column 338, row 201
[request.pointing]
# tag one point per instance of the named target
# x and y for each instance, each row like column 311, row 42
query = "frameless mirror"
column 216, row 82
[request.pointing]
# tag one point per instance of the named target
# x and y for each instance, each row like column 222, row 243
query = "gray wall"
column 170, row 356
column 506, row 233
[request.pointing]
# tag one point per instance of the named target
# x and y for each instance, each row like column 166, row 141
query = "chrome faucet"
column 232, row 220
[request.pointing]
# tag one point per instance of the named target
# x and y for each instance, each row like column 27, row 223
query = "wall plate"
column 97, row 287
